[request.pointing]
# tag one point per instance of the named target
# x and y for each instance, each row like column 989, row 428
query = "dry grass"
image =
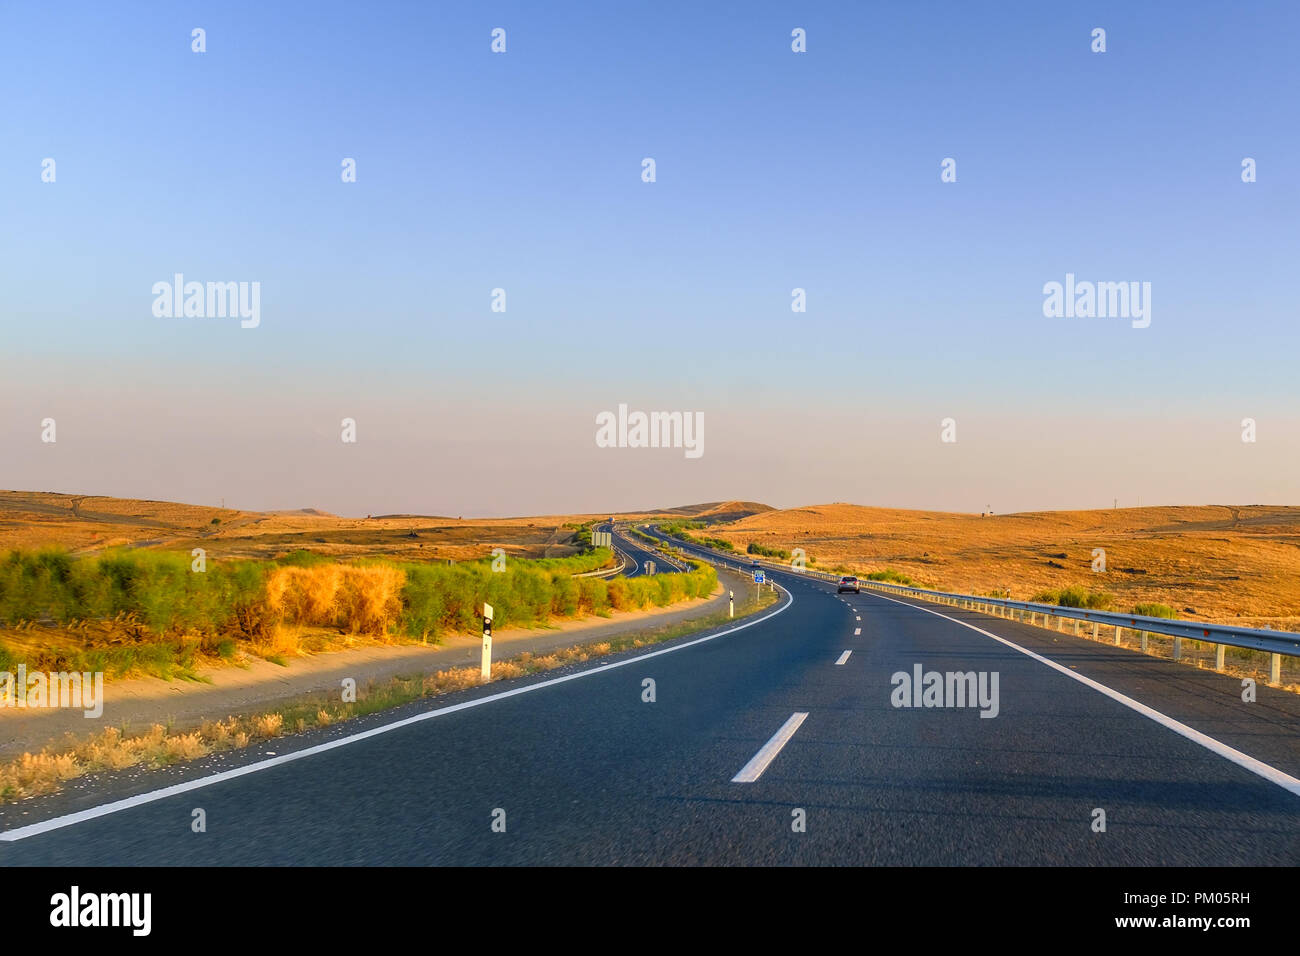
column 87, row 523
column 35, row 774
column 360, row 599
column 1221, row 563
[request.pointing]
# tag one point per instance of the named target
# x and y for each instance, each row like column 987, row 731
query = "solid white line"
column 857, row 632
column 1247, row 762
column 844, row 657
column 81, row 816
column 758, row 763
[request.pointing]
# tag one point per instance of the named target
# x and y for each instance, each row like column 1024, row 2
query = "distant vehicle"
column 848, row 583
column 754, row 563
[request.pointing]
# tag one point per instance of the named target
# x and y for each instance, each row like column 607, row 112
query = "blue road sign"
column 758, row 578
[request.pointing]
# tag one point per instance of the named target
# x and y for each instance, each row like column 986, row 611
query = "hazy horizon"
column 775, row 171
column 639, row 510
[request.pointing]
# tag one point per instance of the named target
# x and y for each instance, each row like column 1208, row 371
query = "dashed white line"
column 843, row 658
column 857, row 632
column 758, row 763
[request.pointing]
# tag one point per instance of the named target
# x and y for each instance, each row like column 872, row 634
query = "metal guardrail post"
column 1275, row 669
column 1218, row 656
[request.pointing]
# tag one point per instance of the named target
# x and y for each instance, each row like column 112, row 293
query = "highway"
column 755, row 727
column 639, row 554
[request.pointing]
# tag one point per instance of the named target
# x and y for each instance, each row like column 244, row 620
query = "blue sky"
column 522, row 171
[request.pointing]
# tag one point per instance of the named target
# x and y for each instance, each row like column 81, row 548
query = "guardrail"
column 693, row 552
column 1275, row 643
column 655, row 549
column 624, row 562
column 707, row 555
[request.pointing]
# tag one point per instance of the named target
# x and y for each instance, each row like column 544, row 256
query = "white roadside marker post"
column 731, row 604
column 486, row 667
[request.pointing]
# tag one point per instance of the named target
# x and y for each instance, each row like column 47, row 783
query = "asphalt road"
column 640, row 555
column 587, row 772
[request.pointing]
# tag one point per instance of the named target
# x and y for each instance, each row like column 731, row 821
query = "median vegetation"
column 681, row 530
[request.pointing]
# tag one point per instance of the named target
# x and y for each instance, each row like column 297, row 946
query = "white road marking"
column 81, row 816
column 758, row 763
column 858, row 617
column 857, row 632
column 1245, row 761
column 843, row 657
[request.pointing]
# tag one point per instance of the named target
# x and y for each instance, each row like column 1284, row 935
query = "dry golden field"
column 1234, row 564
column 86, row 524
column 1213, row 562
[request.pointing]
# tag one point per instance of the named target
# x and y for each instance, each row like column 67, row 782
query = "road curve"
column 775, row 743
column 639, row 555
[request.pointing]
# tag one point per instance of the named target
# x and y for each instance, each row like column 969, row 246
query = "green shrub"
column 1155, row 610
column 890, row 575
column 1076, row 596
column 151, row 593
column 680, row 530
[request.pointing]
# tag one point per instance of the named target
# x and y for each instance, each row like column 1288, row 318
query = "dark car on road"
column 848, row 583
